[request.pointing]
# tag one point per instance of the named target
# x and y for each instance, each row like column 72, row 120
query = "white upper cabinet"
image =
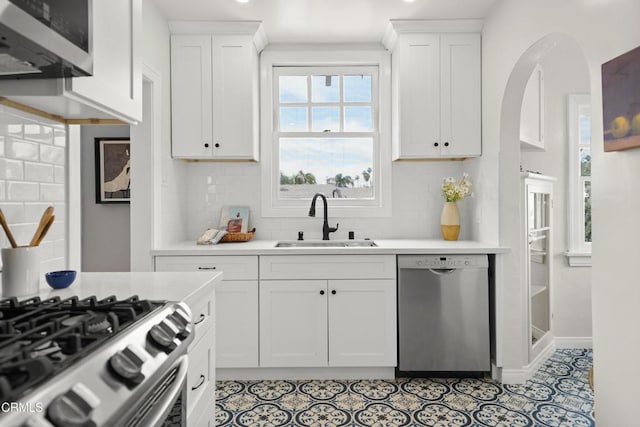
column 436, row 88
column 114, row 91
column 214, row 90
column 532, row 112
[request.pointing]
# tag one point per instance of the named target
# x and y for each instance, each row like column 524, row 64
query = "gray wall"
column 105, row 227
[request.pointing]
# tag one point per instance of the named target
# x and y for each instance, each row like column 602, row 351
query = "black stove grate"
column 41, row 337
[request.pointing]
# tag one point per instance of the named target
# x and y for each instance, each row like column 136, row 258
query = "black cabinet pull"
column 333, row 292
column 206, row 145
column 216, row 145
column 321, row 292
column 435, row 144
column 446, row 144
column 202, row 378
column 206, row 268
column 200, row 319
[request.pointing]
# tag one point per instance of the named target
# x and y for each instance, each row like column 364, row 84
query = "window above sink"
column 327, row 130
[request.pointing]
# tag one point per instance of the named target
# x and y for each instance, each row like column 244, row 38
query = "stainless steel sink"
column 326, row 244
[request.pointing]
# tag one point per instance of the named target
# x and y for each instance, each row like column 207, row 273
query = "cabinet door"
column 362, row 323
column 235, row 97
column 460, row 102
column 418, row 80
column 293, row 323
column 191, row 105
column 116, row 84
column 237, row 324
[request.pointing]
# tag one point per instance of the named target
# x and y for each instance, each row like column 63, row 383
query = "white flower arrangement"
column 453, row 190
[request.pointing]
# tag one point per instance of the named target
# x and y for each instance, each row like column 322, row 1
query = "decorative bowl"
column 60, row 279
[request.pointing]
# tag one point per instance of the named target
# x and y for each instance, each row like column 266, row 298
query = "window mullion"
column 309, row 101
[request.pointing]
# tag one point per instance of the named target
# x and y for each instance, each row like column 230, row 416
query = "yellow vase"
column 450, row 221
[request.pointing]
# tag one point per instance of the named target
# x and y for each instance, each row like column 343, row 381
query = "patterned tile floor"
column 558, row 395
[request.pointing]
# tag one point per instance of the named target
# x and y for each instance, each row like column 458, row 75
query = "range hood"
column 45, row 38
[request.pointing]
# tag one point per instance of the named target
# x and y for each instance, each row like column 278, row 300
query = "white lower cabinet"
column 237, row 324
column 236, row 304
column 362, row 322
column 332, row 322
column 293, row 323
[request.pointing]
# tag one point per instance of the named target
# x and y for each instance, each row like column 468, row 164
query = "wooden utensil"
column 7, row 231
column 45, row 230
column 43, row 222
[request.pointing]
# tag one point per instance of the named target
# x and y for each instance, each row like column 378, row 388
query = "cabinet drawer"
column 328, row 267
column 233, row 267
column 200, row 369
column 202, row 314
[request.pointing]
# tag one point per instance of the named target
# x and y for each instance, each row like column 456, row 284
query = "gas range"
column 89, row 362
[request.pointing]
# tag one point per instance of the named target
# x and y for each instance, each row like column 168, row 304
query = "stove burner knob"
column 163, row 334
column 73, row 408
column 128, row 364
column 183, row 321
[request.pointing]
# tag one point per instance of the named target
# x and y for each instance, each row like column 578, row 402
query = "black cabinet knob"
column 435, row 144
column 446, row 144
column 333, row 292
column 216, row 145
column 206, row 145
column 321, row 292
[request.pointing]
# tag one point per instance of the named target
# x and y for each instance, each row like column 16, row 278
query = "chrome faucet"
column 325, row 226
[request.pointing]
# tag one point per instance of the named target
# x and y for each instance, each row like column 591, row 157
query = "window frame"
column 579, row 252
column 273, row 63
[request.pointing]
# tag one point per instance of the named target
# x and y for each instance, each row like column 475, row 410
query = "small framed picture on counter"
column 113, row 167
column 234, row 219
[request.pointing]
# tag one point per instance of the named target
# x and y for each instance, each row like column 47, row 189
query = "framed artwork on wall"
column 113, row 167
column 621, row 101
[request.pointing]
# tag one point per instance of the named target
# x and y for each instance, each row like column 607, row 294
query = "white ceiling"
column 323, row 21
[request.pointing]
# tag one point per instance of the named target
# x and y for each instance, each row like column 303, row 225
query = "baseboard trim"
column 574, row 342
column 245, row 374
column 520, row 376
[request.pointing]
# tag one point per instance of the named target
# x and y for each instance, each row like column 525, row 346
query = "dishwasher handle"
column 442, row 271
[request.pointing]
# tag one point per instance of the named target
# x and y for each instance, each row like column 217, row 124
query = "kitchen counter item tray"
column 238, row 237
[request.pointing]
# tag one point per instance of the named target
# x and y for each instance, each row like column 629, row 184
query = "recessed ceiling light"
column 409, row 1
column 242, row 1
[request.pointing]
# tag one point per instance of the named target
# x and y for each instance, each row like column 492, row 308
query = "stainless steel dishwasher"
column 443, row 315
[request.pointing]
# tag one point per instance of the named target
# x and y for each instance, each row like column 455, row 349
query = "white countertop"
column 154, row 286
column 268, row 247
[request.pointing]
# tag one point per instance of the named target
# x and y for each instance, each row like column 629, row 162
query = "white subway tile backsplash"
column 38, row 172
column 59, row 174
column 39, row 133
column 22, row 191
column 32, row 176
column 13, row 212
column 52, row 154
column 416, row 202
column 12, row 169
column 20, row 149
column 52, row 192
column 59, row 136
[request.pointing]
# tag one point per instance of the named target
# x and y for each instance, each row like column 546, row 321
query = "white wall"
column 417, row 203
column 173, row 194
column 603, row 30
column 32, row 177
column 565, row 72
column 105, row 227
